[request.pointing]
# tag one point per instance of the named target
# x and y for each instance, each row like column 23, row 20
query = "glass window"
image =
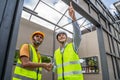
column 90, row 64
column 16, row 56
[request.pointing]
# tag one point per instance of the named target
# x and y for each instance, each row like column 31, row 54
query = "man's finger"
column 70, row 3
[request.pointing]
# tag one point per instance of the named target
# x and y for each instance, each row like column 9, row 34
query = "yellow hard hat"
column 37, row 32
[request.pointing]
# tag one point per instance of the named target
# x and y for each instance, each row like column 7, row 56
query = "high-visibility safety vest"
column 21, row 73
column 68, row 64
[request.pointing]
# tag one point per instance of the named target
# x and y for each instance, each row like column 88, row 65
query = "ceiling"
column 53, row 14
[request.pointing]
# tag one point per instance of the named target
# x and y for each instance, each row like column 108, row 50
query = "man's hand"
column 72, row 12
column 47, row 66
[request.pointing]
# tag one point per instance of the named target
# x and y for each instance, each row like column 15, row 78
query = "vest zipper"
column 63, row 62
column 62, row 68
column 37, row 73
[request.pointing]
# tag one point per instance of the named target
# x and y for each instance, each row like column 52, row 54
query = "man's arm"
column 76, row 36
column 76, row 29
column 26, row 63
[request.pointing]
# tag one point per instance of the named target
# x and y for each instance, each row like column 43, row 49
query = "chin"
column 62, row 41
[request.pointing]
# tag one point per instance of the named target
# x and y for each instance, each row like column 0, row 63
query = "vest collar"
column 62, row 49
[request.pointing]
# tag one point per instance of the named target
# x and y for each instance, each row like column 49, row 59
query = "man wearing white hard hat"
column 66, row 59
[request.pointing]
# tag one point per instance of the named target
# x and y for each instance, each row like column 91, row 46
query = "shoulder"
column 24, row 46
column 24, row 50
column 70, row 44
column 57, row 49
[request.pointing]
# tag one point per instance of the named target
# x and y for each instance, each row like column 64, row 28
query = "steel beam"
column 81, row 11
column 103, row 56
column 10, row 14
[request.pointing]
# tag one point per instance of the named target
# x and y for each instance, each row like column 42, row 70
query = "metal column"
column 10, row 14
column 104, row 66
column 84, row 13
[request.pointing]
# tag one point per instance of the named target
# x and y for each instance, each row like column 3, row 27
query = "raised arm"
column 76, row 28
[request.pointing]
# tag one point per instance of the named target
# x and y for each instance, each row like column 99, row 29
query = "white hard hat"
column 60, row 33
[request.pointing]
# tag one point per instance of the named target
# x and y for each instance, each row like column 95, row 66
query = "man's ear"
column 33, row 38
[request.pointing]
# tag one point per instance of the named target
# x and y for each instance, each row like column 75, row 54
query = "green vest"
column 68, row 64
column 21, row 73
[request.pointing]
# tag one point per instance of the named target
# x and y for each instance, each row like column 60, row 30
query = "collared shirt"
column 62, row 49
column 76, row 37
column 24, row 51
column 76, row 40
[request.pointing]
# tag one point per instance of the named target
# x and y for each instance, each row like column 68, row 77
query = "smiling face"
column 62, row 37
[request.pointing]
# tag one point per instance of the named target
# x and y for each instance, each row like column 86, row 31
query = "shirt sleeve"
column 24, row 50
column 76, row 36
column 54, row 69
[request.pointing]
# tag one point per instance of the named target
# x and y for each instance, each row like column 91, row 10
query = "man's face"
column 37, row 39
column 62, row 37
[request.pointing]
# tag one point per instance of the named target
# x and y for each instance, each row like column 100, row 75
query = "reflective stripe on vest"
column 71, row 64
column 19, row 65
column 70, row 73
column 17, row 77
column 21, row 73
column 68, row 63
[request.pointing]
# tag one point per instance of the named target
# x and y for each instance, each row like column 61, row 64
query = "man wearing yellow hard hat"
column 29, row 64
